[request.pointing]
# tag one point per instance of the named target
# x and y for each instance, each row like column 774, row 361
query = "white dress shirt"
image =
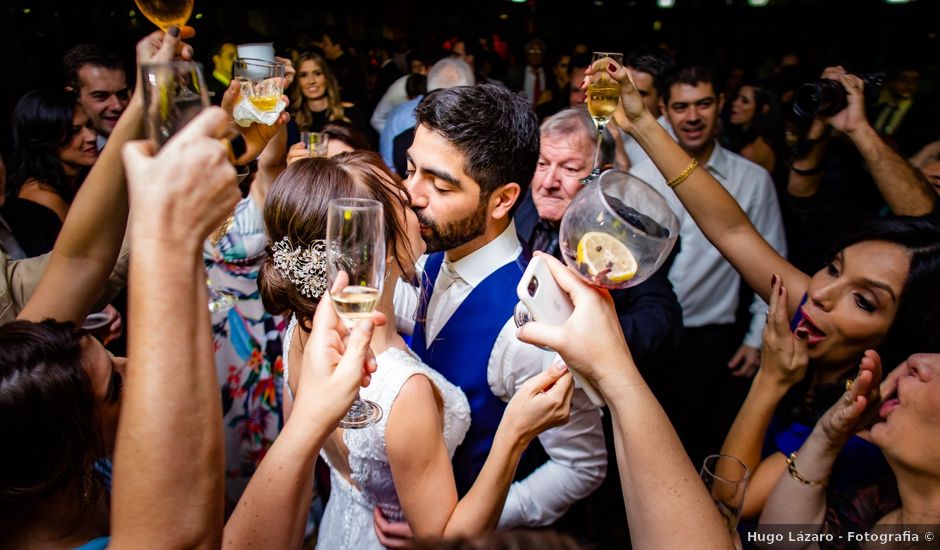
column 577, row 454
column 635, row 153
column 705, row 283
column 528, row 82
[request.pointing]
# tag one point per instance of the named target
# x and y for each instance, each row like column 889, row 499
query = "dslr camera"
column 826, row 97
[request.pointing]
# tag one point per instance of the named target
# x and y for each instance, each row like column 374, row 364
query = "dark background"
column 863, row 35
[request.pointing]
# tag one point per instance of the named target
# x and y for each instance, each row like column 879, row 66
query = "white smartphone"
column 548, row 303
column 541, row 295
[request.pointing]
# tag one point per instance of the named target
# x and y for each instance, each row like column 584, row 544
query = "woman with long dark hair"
column 878, row 291
column 54, row 146
column 753, row 129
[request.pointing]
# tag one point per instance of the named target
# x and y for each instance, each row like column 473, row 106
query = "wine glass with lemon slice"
column 616, row 232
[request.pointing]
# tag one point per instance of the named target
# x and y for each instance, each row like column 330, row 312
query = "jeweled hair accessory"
column 305, row 267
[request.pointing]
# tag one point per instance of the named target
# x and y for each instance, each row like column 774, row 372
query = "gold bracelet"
column 795, row 474
column 684, row 175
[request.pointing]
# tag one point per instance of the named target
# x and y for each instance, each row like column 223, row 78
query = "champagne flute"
column 616, row 233
column 355, row 271
column 175, row 93
column 166, row 13
column 726, row 478
column 602, row 96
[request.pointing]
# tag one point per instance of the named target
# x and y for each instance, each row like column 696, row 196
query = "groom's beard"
column 456, row 233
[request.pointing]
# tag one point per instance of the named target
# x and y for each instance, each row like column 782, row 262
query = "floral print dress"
column 247, row 349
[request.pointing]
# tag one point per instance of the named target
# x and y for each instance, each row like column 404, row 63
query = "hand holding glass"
column 602, row 96
column 615, row 233
column 262, row 82
column 355, row 270
column 175, row 93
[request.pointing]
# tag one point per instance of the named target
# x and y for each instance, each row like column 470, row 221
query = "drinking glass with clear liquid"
column 166, row 13
column 355, row 271
column 726, row 478
column 316, row 143
column 262, row 82
column 615, row 233
column 175, row 94
column 603, row 93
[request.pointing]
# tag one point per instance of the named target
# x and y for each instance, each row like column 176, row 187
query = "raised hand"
column 163, row 47
column 851, row 118
column 631, row 108
column 858, row 406
column 184, row 192
column 591, row 340
column 784, row 355
column 335, row 365
column 256, row 135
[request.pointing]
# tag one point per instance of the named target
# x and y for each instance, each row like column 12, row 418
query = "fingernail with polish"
column 173, row 31
column 802, row 333
column 611, row 67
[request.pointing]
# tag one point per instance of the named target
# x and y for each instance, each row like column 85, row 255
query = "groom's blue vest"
column 461, row 352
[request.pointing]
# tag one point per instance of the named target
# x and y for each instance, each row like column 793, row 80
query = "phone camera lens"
column 533, row 286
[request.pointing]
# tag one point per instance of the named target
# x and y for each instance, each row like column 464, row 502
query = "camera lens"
column 824, row 98
column 533, row 286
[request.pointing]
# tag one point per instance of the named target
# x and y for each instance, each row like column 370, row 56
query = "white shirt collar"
column 718, row 161
column 481, row 263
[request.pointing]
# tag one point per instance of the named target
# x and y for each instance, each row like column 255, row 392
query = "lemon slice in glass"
column 602, row 256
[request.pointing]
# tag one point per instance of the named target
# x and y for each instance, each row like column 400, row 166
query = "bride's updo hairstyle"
column 293, row 276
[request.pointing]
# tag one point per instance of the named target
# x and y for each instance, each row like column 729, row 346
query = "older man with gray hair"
column 566, row 155
column 398, row 132
column 649, row 313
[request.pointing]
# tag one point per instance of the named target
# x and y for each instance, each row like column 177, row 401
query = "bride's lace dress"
column 347, row 521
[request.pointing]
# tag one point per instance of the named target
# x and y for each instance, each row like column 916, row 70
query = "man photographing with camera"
column 902, row 187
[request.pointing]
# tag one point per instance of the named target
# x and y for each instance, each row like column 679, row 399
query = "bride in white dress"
column 402, row 464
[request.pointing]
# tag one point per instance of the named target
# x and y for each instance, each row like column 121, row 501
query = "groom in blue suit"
column 474, row 152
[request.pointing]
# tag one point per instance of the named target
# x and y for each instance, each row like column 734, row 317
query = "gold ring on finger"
column 848, row 384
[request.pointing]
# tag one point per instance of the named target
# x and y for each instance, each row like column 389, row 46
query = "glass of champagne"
column 175, row 93
column 166, row 13
column 355, row 270
column 726, row 478
column 602, row 96
column 262, row 82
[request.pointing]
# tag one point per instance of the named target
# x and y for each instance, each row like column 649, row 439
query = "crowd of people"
column 794, row 327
